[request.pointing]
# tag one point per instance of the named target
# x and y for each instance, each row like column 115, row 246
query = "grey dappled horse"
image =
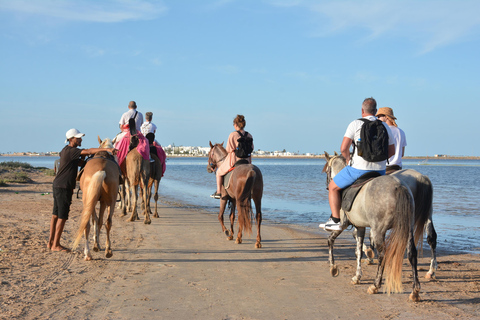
column 246, row 183
column 384, row 203
column 422, row 191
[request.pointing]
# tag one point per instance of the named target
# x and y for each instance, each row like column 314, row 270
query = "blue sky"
column 298, row 70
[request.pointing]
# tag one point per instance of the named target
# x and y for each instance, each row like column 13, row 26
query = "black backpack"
column 373, row 144
column 244, row 146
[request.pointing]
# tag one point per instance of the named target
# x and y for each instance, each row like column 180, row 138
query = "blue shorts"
column 348, row 175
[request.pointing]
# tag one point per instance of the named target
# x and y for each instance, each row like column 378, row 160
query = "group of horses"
column 396, row 207
column 101, row 181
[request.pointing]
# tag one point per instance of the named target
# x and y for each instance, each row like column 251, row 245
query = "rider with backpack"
column 373, row 144
column 239, row 146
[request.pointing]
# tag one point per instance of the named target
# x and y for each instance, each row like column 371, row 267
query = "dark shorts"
column 62, row 199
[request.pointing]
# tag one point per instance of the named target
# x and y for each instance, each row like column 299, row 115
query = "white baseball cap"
column 73, row 133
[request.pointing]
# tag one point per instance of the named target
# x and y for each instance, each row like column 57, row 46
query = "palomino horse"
column 136, row 171
column 99, row 182
column 383, row 203
column 246, row 183
column 422, row 191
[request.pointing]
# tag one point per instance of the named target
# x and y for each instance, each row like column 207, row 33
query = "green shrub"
column 15, row 164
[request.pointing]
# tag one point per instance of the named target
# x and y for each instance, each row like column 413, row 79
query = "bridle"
column 212, row 164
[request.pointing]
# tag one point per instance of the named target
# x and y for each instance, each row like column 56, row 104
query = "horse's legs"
column 133, row 203
column 232, row 217
column 412, row 257
column 146, row 199
column 155, row 197
column 223, row 204
column 88, row 256
column 360, row 236
column 258, row 216
column 98, row 226
column 432, row 241
column 108, row 227
column 331, row 241
column 379, row 241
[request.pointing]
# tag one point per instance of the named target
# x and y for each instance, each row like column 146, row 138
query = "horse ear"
column 327, row 156
column 99, row 140
column 336, row 153
column 211, row 145
column 222, row 143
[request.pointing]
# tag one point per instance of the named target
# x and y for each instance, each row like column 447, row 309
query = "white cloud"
column 104, row 11
column 432, row 24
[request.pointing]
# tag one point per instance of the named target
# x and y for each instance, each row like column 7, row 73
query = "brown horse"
column 136, row 171
column 99, row 182
column 246, row 183
column 154, row 181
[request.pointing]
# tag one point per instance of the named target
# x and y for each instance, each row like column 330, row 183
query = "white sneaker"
column 330, row 225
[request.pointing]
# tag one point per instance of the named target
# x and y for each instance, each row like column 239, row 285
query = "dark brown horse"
column 99, row 182
column 246, row 183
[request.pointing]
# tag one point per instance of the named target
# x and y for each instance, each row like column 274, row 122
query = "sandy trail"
column 182, row 267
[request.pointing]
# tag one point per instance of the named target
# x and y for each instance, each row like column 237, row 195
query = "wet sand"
column 182, row 267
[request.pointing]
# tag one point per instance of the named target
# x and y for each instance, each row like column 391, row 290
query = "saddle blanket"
column 226, row 178
column 350, row 193
column 123, row 145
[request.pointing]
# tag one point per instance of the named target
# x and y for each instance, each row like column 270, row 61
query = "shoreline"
column 321, row 156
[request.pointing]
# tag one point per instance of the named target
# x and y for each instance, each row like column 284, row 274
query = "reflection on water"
column 295, row 192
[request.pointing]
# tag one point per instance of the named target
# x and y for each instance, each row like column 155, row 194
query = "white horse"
column 422, row 191
column 384, row 203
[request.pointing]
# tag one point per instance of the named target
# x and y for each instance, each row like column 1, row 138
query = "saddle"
column 350, row 193
column 103, row 155
column 226, row 178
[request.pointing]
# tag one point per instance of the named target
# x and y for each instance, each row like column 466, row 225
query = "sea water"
column 295, row 192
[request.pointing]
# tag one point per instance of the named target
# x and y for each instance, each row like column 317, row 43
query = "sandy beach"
column 182, row 267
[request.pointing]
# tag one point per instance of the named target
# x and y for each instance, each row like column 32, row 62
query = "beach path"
column 182, row 267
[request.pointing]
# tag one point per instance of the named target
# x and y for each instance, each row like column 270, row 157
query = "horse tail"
column 245, row 209
column 423, row 206
column 91, row 195
column 397, row 241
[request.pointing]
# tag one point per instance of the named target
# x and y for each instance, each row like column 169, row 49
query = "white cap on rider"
column 73, row 133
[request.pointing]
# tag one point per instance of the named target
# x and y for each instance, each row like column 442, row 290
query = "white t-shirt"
column 129, row 114
column 400, row 143
column 148, row 127
column 353, row 132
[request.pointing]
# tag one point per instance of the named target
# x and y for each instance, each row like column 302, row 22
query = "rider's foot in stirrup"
column 331, row 225
column 216, row 195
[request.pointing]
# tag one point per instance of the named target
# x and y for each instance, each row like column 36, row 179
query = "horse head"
column 107, row 143
column 333, row 166
column 216, row 155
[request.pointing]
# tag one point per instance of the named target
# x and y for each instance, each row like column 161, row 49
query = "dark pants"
column 62, row 199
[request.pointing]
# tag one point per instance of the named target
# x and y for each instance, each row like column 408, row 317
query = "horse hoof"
column 230, row 238
column 414, row 297
column 372, row 289
column 370, row 253
column 430, row 276
column 258, row 245
column 156, row 215
column 334, row 271
column 109, row 254
column 88, row 258
column 355, row 281
column 369, row 262
column 96, row 249
column 227, row 233
column 238, row 241
column 147, row 221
